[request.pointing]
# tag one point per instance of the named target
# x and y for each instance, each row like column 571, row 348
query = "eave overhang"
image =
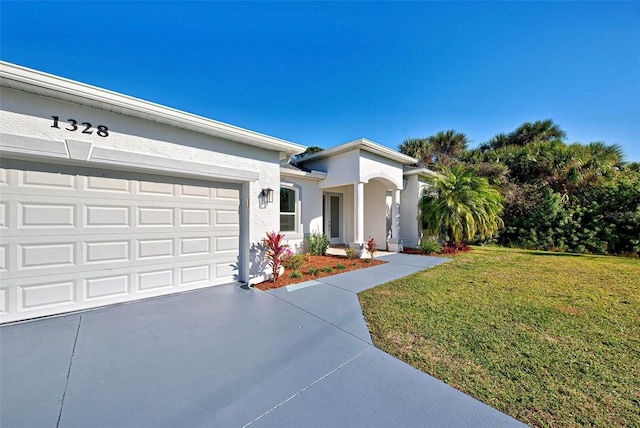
column 43, row 84
column 362, row 144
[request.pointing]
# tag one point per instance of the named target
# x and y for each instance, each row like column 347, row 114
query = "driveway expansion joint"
column 66, row 384
column 308, row 386
column 320, row 318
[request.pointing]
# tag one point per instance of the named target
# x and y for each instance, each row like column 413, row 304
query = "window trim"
column 296, row 208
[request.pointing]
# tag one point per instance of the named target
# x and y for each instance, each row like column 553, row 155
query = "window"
column 287, row 210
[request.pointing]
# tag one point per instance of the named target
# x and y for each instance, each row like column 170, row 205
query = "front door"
column 333, row 217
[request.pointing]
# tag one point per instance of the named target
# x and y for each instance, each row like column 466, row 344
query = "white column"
column 395, row 212
column 358, row 212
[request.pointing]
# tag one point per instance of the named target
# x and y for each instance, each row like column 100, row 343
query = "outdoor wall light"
column 267, row 195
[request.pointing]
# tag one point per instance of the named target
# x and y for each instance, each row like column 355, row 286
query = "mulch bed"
column 319, row 262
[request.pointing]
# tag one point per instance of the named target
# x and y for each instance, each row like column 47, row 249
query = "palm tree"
column 527, row 133
column 447, row 145
column 540, row 130
column 600, row 160
column 440, row 149
column 464, row 206
column 414, row 147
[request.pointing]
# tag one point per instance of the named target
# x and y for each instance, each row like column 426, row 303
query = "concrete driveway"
column 299, row 356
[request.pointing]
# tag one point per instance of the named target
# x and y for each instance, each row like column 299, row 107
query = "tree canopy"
column 568, row 197
column 439, row 149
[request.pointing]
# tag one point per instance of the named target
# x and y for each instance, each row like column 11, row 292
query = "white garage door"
column 75, row 238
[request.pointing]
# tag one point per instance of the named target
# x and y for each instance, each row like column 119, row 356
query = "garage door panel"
column 4, row 301
column 226, row 244
column 111, row 251
column 46, row 295
column 155, row 280
column 47, row 180
column 226, row 194
column 84, row 238
column 50, row 294
column 39, row 215
column 54, row 254
column 107, row 287
column 224, row 271
column 107, row 216
column 155, row 248
column 46, row 255
column 190, row 217
column 4, row 257
column 4, row 215
column 107, row 185
column 192, row 246
column 195, row 192
column 226, row 217
column 155, row 216
column 156, row 188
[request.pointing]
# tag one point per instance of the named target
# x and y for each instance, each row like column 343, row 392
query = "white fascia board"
column 27, row 77
column 420, row 171
column 314, row 175
column 362, row 144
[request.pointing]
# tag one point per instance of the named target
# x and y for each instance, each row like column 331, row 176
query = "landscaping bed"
column 320, row 266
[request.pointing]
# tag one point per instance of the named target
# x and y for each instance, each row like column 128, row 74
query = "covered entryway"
column 364, row 179
column 77, row 238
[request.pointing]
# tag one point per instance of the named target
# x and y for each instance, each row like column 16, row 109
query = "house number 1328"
column 103, row 131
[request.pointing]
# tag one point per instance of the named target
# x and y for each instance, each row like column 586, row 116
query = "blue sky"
column 327, row 73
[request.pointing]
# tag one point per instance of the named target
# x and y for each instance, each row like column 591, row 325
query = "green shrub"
column 429, row 246
column 340, row 266
column 326, row 269
column 294, row 262
column 295, row 274
column 351, row 253
column 365, row 261
column 313, row 271
column 318, row 244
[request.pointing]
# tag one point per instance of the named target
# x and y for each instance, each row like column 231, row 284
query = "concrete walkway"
column 299, row 356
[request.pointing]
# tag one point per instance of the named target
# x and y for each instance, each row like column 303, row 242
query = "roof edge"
column 172, row 116
column 363, row 144
column 418, row 170
column 312, row 174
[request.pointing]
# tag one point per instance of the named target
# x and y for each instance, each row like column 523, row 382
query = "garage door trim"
column 21, row 147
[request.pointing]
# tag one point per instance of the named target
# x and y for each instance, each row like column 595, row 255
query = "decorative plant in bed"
column 307, row 267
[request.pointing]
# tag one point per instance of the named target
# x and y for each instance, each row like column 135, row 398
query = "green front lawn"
column 551, row 339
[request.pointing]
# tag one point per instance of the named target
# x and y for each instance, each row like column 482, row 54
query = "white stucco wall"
column 309, row 208
column 374, row 166
column 341, row 169
column 375, row 209
column 29, row 115
column 409, row 229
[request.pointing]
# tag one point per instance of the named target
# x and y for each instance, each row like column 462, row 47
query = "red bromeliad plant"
column 276, row 249
column 371, row 247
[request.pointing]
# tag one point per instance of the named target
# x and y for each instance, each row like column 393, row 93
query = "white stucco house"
column 105, row 198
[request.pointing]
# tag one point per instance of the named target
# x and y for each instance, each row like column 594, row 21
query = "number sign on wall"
column 103, row 131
